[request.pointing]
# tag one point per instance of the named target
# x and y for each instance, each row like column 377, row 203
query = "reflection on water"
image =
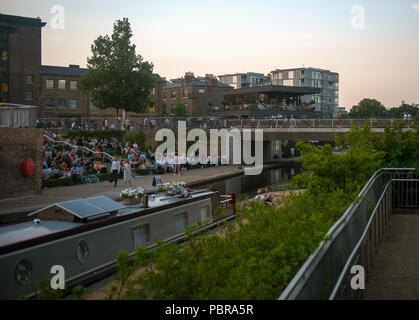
column 245, row 184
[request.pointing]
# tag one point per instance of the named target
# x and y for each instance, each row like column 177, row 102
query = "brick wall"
column 16, row 145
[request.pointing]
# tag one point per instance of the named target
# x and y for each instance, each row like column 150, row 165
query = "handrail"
column 333, row 232
column 360, row 242
column 77, row 147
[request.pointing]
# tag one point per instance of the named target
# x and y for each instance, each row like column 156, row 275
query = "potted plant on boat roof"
column 132, row 196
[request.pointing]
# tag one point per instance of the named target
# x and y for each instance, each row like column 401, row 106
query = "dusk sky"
column 380, row 60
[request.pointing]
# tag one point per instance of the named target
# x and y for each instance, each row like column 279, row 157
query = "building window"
column 49, row 84
column 29, row 95
column 164, row 95
column 29, row 79
column 73, row 103
column 172, row 108
column 181, row 222
column 61, row 84
column 185, row 93
column 49, row 102
column 141, row 235
column 201, row 91
column 173, row 95
column 4, row 55
column 92, row 106
column 4, row 88
column 73, row 85
column 61, row 103
column 4, row 73
column 205, row 213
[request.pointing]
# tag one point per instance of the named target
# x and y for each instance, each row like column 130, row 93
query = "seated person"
column 75, row 172
column 259, row 196
column 268, row 196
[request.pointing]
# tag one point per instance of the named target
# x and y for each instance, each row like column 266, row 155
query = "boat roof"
column 88, row 208
column 29, row 230
column 20, row 232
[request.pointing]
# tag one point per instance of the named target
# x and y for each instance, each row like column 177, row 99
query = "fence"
column 354, row 238
column 213, row 123
column 17, row 116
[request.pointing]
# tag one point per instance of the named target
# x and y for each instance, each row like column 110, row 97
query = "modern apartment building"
column 243, row 80
column 325, row 102
column 20, row 59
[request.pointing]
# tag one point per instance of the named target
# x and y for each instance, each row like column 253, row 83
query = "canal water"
column 246, row 184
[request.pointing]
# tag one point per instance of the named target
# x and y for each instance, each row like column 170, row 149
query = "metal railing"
column 213, row 123
column 17, row 115
column 354, row 237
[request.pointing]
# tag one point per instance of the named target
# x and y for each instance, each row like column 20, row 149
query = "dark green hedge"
column 101, row 134
column 52, row 183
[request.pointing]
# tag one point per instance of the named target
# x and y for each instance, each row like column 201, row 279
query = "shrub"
column 101, row 134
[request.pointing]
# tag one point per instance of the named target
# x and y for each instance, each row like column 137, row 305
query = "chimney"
column 189, row 77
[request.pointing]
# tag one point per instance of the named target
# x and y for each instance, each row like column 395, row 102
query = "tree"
column 118, row 77
column 180, row 111
column 368, row 108
column 399, row 112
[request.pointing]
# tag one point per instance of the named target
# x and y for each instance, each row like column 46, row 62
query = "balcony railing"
column 354, row 238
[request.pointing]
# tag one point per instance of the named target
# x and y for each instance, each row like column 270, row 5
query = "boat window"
column 205, row 213
column 141, row 235
column 23, row 272
column 181, row 221
column 82, row 252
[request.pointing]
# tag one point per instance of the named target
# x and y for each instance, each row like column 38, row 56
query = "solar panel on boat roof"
column 105, row 203
column 82, row 208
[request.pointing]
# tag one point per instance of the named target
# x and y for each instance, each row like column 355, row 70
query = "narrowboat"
column 84, row 236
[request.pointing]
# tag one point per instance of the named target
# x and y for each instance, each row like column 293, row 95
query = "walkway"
column 16, row 209
column 395, row 274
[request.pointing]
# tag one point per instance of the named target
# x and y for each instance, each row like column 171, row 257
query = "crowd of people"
column 65, row 157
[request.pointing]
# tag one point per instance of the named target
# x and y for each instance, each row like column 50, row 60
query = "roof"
column 71, row 71
column 89, row 208
column 247, row 74
column 28, row 230
column 21, row 20
column 195, row 83
column 303, row 68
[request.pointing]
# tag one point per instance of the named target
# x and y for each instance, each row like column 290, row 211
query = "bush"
column 138, row 137
column 101, row 134
column 52, row 183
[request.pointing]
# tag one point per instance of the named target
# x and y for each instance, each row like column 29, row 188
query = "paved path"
column 395, row 274
column 16, row 209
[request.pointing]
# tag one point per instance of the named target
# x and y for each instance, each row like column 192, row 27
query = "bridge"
column 378, row 232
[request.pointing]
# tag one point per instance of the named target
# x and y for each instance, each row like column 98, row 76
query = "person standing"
column 115, row 168
column 127, row 173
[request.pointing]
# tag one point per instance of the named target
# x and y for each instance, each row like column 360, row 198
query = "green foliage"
column 101, row 134
column 347, row 171
column 256, row 257
column 78, row 292
column 180, row 111
column 118, row 77
column 368, row 108
column 138, row 137
column 44, row 291
column 400, row 148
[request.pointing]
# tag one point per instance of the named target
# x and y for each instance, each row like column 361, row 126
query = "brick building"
column 62, row 98
column 187, row 91
column 20, row 60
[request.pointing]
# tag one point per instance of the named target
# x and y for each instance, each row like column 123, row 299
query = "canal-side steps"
column 379, row 234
